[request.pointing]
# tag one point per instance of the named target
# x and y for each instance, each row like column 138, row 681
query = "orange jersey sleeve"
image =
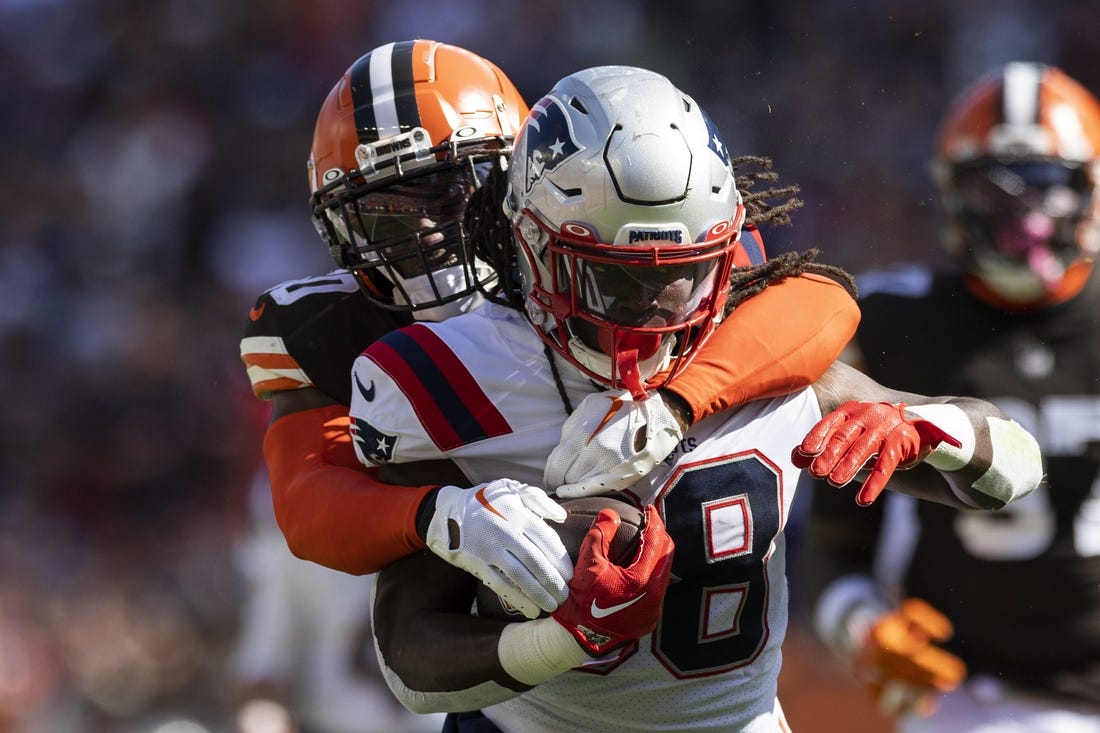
column 331, row 509
column 773, row 343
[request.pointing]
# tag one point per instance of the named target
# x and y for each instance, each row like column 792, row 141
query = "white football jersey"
column 478, row 389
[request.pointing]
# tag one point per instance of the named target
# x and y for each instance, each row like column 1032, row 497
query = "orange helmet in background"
column 1017, row 165
column 404, row 138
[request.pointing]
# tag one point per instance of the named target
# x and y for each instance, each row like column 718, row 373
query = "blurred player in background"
column 917, row 594
column 626, row 225
column 403, row 143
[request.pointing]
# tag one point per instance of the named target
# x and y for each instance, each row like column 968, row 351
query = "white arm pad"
column 1017, row 462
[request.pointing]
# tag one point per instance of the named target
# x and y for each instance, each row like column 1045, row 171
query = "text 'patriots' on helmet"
column 626, row 219
column 1017, row 165
column 402, row 141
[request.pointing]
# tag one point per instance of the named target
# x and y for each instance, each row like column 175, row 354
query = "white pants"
column 984, row 705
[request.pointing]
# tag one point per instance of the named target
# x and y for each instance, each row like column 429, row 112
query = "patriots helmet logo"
column 547, row 140
column 714, row 140
column 374, row 445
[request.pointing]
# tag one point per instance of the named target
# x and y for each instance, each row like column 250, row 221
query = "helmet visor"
column 641, row 296
column 1023, row 214
column 412, row 226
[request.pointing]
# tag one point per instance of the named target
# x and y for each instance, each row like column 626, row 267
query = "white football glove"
column 609, row 442
column 498, row 533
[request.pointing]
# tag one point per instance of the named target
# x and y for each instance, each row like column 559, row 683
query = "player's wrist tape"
column 845, row 612
column 535, row 651
column 1017, row 466
column 953, row 421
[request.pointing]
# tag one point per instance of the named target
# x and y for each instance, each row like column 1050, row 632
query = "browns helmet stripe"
column 1022, row 83
column 382, row 92
column 404, row 95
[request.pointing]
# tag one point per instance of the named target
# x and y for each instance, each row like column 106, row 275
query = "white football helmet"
column 1017, row 164
column 626, row 218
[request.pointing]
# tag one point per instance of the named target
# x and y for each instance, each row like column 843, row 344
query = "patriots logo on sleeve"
column 547, row 140
column 448, row 402
column 374, row 445
column 714, row 140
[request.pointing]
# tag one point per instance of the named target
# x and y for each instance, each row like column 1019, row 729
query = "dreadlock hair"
column 746, row 282
column 490, row 233
column 773, row 207
column 489, row 236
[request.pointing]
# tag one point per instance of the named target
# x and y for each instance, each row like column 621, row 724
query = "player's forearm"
column 471, row 680
column 995, row 463
column 418, row 624
column 773, row 343
column 331, row 509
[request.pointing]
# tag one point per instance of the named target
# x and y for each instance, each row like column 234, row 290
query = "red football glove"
column 903, row 668
column 851, row 435
column 609, row 606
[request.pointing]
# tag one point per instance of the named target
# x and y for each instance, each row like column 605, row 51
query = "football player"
column 626, row 221
column 404, row 140
column 1016, row 164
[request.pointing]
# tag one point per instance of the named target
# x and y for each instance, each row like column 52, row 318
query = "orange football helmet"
column 1017, row 163
column 402, row 141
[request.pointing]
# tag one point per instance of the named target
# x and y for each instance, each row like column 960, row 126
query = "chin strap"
column 626, row 366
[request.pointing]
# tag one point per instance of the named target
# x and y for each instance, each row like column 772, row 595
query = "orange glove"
column 843, row 441
column 903, row 668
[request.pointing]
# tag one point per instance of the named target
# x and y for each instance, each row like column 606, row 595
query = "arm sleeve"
column 773, row 343
column 331, row 509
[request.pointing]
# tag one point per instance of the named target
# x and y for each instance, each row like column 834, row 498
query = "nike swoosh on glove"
column 609, row 442
column 846, row 439
column 497, row 532
column 901, row 664
column 609, row 606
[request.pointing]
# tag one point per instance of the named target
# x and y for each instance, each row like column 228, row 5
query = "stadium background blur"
column 155, row 184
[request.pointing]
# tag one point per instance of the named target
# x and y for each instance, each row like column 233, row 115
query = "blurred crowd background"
column 154, row 184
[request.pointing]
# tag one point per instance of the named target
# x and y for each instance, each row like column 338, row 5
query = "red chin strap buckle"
column 626, row 350
column 626, row 368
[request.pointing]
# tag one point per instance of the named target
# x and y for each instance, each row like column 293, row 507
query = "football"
column 581, row 514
